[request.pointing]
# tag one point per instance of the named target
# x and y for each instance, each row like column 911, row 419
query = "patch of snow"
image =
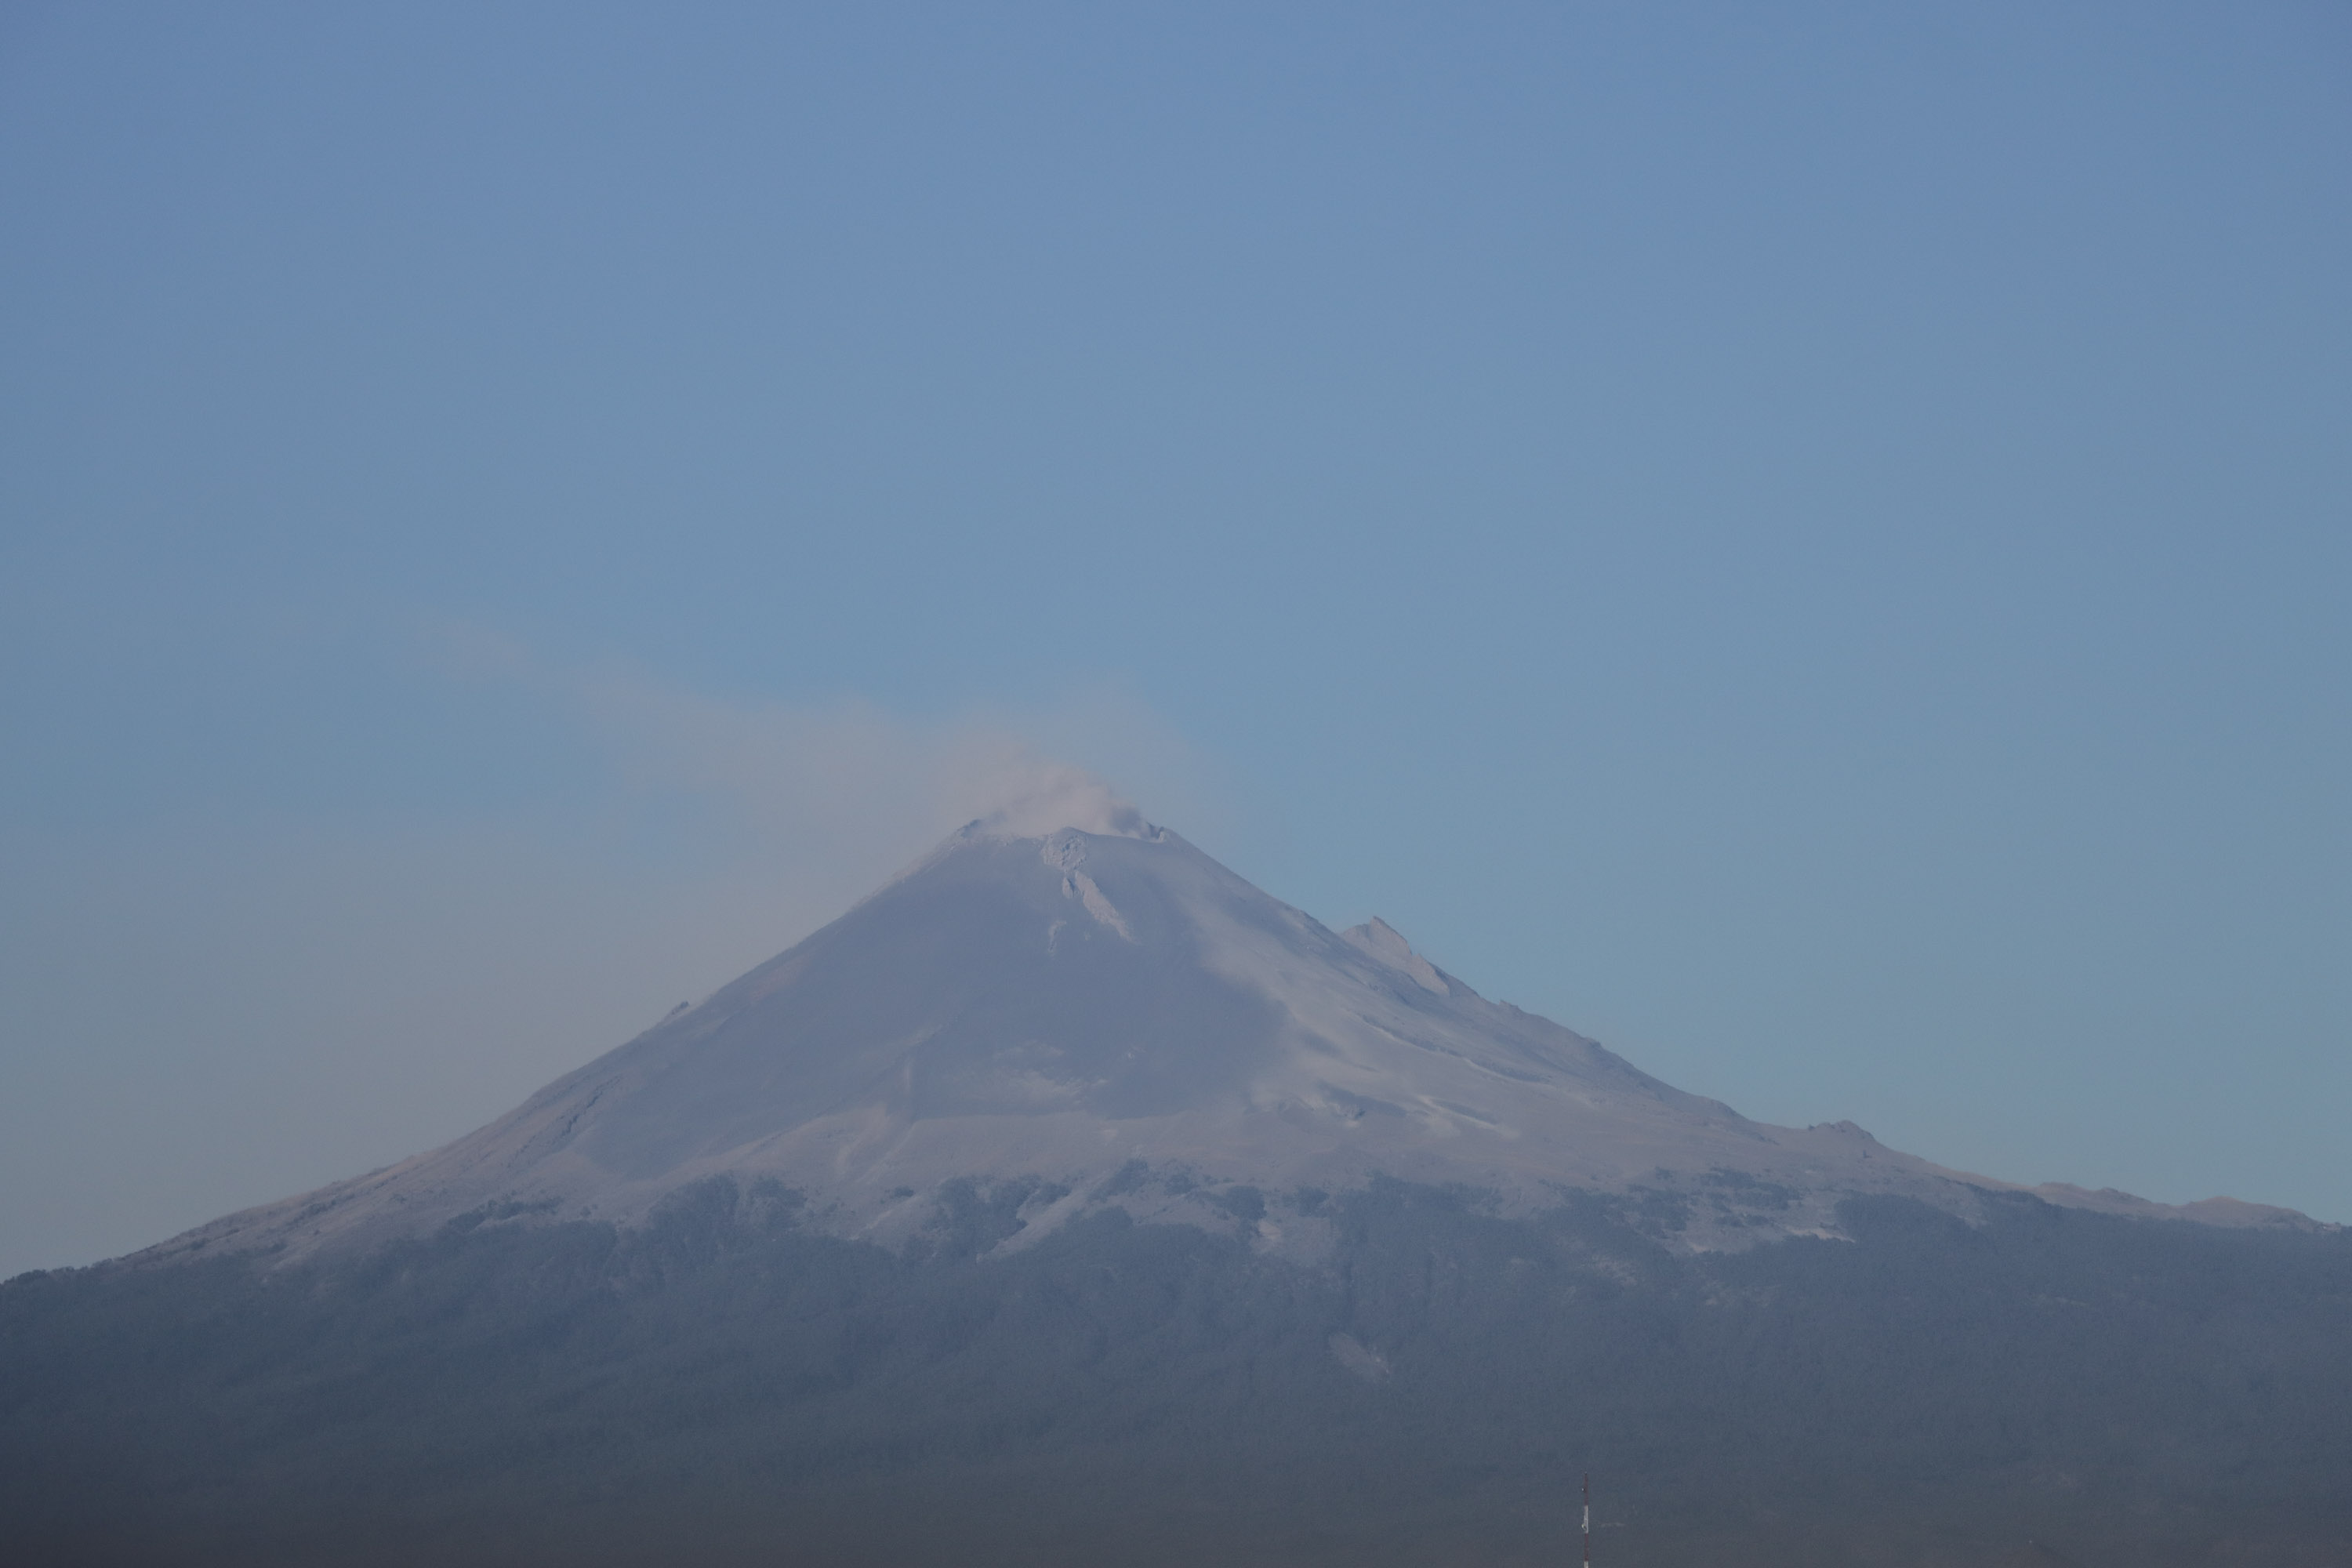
column 1360, row 1358
column 1090, row 898
column 1381, row 941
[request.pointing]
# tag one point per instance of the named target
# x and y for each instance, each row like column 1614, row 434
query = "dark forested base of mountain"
column 724, row 1386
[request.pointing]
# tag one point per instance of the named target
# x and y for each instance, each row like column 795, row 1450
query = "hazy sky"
column 1810, row 542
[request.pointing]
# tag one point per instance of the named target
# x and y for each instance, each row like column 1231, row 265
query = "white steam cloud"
column 839, row 795
column 842, row 783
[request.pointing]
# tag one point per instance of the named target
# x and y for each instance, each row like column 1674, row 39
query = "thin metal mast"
column 1588, row 1520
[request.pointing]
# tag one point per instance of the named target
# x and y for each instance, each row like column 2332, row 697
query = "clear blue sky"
column 1810, row 542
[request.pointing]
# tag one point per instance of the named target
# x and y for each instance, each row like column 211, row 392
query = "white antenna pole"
column 1588, row 1520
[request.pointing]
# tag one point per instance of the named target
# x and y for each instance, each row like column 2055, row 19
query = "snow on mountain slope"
column 1072, row 1019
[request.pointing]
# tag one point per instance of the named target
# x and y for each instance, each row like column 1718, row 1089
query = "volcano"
column 1110, row 1018
column 1071, row 1200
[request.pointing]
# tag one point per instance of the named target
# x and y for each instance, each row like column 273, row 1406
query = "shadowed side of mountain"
column 727, row 1383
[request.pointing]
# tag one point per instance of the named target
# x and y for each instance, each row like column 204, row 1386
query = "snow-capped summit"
column 1059, row 797
column 1065, row 1003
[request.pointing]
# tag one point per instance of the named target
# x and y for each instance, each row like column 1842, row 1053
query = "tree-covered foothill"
column 727, row 1385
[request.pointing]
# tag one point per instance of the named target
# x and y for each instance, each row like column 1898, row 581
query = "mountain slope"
column 1109, row 1018
column 1070, row 1201
column 724, row 1383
